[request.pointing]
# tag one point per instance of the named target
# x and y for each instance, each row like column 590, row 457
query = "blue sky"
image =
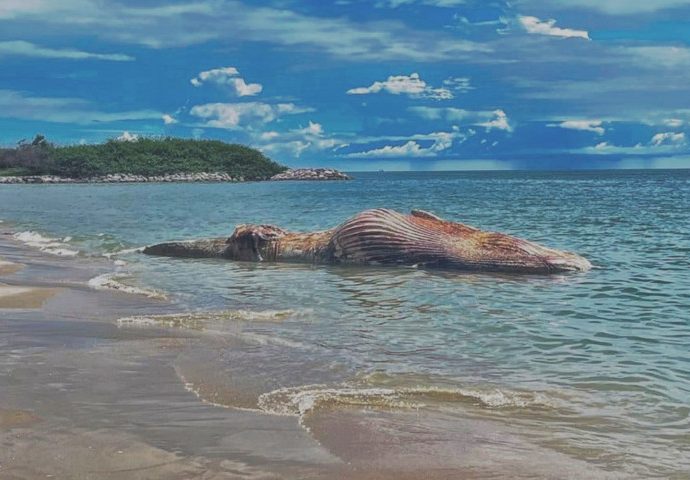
column 360, row 85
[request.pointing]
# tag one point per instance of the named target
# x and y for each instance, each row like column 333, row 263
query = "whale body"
column 383, row 237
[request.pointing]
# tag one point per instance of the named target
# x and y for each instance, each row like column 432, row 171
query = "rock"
column 126, row 178
column 297, row 174
column 311, row 174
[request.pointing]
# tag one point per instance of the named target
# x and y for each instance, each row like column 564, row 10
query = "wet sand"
column 16, row 418
column 24, row 297
column 7, row 268
column 82, row 398
column 85, row 396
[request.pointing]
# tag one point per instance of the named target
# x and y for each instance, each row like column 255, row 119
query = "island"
column 165, row 159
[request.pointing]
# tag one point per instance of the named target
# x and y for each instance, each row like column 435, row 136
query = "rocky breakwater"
column 125, row 178
column 311, row 174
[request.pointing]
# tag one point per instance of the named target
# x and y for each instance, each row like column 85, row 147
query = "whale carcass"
column 383, row 237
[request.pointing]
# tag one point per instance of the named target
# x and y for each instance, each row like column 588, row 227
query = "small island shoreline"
column 124, row 178
column 307, row 174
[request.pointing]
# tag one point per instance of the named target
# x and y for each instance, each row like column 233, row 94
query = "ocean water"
column 594, row 366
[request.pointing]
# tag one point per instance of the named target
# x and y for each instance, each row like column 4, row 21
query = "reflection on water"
column 607, row 349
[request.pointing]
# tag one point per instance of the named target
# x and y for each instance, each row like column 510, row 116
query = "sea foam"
column 299, row 401
column 110, row 281
column 124, row 251
column 197, row 320
column 45, row 244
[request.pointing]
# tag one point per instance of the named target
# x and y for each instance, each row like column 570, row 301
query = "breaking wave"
column 124, row 251
column 302, row 401
column 299, row 401
column 223, row 322
column 45, row 244
column 198, row 320
column 111, row 281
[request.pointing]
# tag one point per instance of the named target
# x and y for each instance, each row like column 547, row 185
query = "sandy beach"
column 82, row 398
column 345, row 240
column 86, row 392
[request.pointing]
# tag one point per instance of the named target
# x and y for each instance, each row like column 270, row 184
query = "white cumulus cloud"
column 409, row 149
column 668, row 138
column 665, row 142
column 295, row 142
column 586, row 125
column 168, row 119
column 411, row 85
column 270, row 135
column 548, row 27
column 412, row 148
column 127, row 137
column 231, row 115
column 673, row 122
column 227, row 76
column 499, row 122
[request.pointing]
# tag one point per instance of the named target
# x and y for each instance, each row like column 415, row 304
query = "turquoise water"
column 593, row 365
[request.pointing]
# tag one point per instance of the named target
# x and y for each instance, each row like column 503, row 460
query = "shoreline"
column 79, row 385
column 303, row 174
column 375, row 347
column 125, row 385
column 202, row 177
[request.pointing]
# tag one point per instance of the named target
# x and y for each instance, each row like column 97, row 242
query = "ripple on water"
column 614, row 339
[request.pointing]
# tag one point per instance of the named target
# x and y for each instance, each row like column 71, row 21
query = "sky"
column 359, row 84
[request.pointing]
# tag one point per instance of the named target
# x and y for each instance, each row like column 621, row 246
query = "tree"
column 40, row 141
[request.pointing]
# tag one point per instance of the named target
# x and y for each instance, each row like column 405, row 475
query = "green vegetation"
column 145, row 156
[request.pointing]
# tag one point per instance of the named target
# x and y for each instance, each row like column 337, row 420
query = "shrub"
column 145, row 156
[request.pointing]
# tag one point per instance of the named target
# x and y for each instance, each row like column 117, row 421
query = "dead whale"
column 384, row 237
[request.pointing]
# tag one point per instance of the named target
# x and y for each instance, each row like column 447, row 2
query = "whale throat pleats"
column 384, row 236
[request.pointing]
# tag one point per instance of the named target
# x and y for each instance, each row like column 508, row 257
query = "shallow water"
column 591, row 366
